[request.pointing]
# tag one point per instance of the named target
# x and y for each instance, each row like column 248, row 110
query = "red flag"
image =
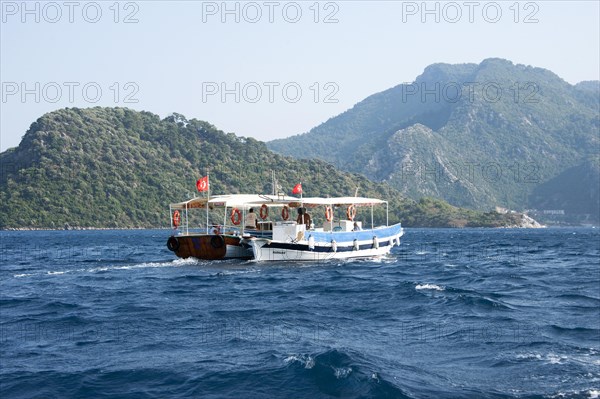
column 297, row 189
column 202, row 184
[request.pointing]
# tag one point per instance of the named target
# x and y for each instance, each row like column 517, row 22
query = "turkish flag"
column 202, row 184
column 297, row 189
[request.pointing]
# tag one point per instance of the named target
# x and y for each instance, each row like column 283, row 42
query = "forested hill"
column 119, row 168
column 475, row 135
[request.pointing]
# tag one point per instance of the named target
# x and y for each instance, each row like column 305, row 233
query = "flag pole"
column 207, row 196
column 302, row 203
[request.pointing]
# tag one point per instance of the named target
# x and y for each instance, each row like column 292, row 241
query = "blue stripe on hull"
column 348, row 236
column 304, row 247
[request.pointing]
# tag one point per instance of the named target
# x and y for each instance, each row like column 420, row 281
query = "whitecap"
column 529, row 356
column 233, row 272
column 307, row 361
column 24, row 275
column 342, row 372
column 429, row 287
column 555, row 359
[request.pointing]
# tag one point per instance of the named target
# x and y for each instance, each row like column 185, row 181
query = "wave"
column 562, row 329
column 585, row 359
column 337, row 374
column 306, row 360
column 429, row 287
column 24, row 275
column 580, row 298
column 574, row 333
column 328, row 374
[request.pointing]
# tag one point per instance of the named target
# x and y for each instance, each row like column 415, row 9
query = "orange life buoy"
column 264, row 211
column 176, row 218
column 328, row 213
column 236, row 216
column 351, row 212
column 285, row 213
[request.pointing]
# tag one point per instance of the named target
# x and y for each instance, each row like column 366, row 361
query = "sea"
column 451, row 313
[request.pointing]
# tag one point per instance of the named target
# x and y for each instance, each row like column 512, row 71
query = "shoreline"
column 412, row 227
column 80, row 228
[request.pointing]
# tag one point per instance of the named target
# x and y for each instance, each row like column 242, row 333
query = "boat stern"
column 208, row 246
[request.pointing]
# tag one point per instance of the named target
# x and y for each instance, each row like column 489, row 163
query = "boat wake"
column 109, row 268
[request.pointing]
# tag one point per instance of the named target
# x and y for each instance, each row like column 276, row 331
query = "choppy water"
column 451, row 313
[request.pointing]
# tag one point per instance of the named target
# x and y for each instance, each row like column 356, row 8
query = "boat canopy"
column 235, row 201
column 189, row 204
column 337, row 201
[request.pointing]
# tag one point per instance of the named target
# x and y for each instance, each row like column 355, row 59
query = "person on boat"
column 356, row 227
column 216, row 229
column 250, row 221
column 303, row 217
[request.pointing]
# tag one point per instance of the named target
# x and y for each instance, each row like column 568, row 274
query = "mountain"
column 571, row 197
column 475, row 135
column 119, row 168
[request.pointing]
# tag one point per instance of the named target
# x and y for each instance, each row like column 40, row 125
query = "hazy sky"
column 265, row 69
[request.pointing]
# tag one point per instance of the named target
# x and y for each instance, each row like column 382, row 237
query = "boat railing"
column 265, row 228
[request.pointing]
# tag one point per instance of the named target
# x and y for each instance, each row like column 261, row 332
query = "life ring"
column 236, row 216
column 328, row 213
column 264, row 211
column 217, row 241
column 285, row 213
column 173, row 244
column 351, row 212
column 176, row 218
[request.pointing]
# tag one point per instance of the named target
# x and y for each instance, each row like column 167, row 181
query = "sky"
column 265, row 69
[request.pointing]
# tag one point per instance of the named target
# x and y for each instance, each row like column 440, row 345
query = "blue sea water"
column 471, row 313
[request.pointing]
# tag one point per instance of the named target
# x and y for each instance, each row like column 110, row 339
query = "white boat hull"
column 325, row 249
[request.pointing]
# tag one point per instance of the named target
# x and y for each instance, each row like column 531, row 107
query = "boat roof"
column 250, row 200
column 235, row 201
column 339, row 201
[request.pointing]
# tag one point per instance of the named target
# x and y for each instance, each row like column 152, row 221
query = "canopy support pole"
column 387, row 214
column 243, row 224
column 332, row 217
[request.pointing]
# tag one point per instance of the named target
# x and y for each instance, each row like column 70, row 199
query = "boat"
column 344, row 238
column 222, row 238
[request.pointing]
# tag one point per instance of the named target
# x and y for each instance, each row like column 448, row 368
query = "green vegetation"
column 437, row 213
column 575, row 192
column 511, row 129
column 118, row 168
